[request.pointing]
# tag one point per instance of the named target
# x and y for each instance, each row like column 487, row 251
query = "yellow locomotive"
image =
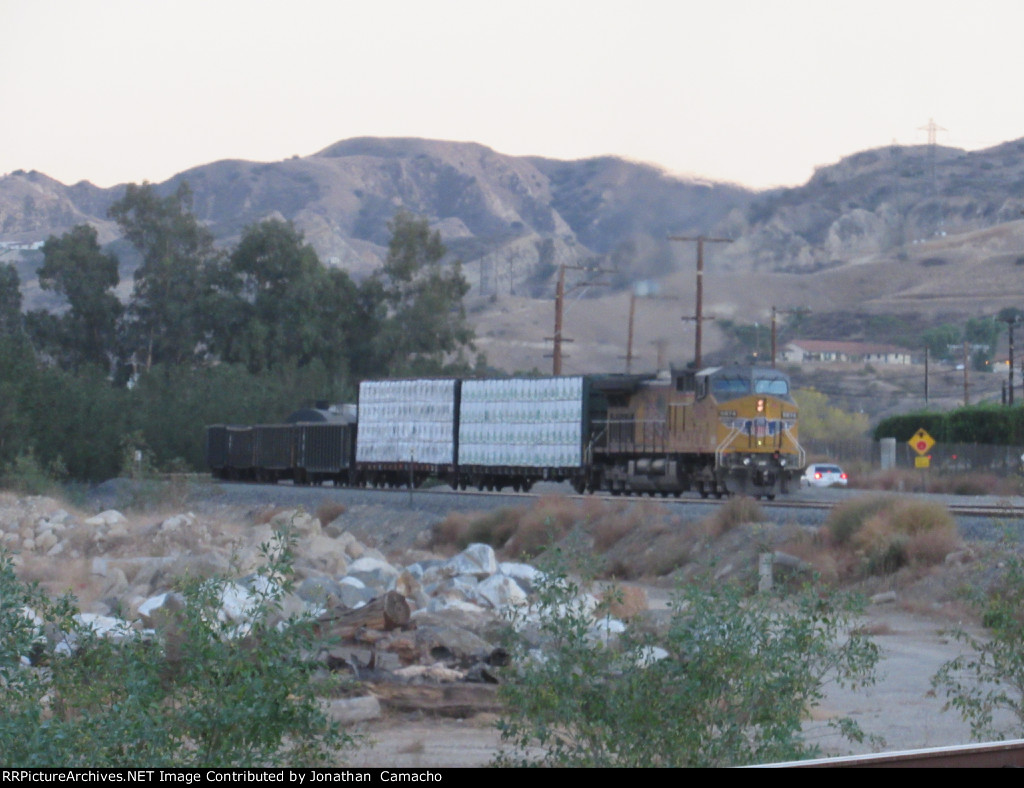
column 717, row 431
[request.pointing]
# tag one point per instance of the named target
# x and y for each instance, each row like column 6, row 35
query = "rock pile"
column 434, row 620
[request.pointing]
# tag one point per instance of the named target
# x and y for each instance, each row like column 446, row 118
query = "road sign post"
column 922, row 443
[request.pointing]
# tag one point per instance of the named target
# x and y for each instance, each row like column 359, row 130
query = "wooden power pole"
column 558, row 339
column 698, row 316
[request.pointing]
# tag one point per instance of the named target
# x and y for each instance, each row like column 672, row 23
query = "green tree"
column 821, row 421
column 425, row 324
column 18, row 371
column 729, row 682
column 281, row 305
column 77, row 269
column 943, row 341
column 168, row 314
column 200, row 693
column 982, row 333
column 75, row 422
column 170, row 406
column 10, row 301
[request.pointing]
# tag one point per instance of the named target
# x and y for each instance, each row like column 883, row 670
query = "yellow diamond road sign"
column 922, row 442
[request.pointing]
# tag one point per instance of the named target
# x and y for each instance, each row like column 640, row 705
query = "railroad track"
column 993, row 509
column 996, row 511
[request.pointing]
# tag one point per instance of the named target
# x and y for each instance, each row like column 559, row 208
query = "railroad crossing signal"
column 922, row 442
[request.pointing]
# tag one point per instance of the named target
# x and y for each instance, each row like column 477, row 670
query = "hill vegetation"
column 208, row 337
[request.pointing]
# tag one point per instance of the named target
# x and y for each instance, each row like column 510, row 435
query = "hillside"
column 880, row 245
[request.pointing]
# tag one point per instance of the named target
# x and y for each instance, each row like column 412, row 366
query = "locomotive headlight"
column 760, row 406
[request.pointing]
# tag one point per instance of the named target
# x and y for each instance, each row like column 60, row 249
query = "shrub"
column 729, row 682
column 986, row 686
column 202, row 693
column 906, row 531
column 27, row 475
column 849, row 517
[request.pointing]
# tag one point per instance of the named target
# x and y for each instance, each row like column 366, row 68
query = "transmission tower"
column 932, row 128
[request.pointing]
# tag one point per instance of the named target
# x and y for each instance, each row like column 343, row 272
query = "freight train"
column 715, row 431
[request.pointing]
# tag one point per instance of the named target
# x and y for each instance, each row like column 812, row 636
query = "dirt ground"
column 901, row 708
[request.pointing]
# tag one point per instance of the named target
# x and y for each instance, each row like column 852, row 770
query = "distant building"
column 814, row 350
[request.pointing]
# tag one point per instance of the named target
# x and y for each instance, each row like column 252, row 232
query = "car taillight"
column 842, row 476
column 817, row 475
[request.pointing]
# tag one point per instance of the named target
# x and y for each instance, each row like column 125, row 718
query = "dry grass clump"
column 907, row 532
column 827, row 563
column 265, row 514
column 891, row 480
column 908, row 480
column 973, row 484
column 615, row 521
column 460, row 529
column 633, row 538
column 518, row 532
column 329, row 511
column 549, row 520
column 886, row 533
column 736, row 511
column 849, row 517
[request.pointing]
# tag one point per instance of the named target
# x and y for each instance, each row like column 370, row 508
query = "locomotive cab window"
column 729, row 388
column 771, row 386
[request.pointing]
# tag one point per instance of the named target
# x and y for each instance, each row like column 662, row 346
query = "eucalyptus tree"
column 424, row 326
column 77, row 269
column 168, row 318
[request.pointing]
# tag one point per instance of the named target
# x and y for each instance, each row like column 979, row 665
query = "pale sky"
column 757, row 92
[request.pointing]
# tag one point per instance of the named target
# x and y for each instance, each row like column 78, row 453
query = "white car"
column 824, row 475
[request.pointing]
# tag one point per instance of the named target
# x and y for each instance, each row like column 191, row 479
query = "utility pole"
column 556, row 353
column 926, row 375
column 698, row 316
column 629, row 335
column 1010, row 323
column 966, row 366
column 558, row 339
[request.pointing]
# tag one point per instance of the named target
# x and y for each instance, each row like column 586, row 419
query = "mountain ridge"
column 928, row 232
